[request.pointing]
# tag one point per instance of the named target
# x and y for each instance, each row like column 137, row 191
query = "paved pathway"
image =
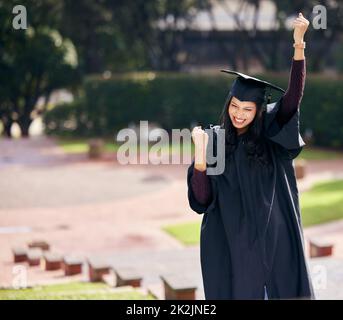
column 326, row 272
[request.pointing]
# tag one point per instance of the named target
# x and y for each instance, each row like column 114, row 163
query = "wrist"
column 299, row 54
column 299, row 40
column 200, row 167
column 299, row 45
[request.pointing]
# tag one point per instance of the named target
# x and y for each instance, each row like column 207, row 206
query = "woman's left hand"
column 300, row 26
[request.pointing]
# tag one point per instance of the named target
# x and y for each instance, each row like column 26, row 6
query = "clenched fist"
column 199, row 137
column 200, row 140
column 300, row 26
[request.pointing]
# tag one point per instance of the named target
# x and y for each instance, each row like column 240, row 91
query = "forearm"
column 200, row 158
column 299, row 54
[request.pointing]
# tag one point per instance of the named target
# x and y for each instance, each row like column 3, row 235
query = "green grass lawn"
column 319, row 154
column 188, row 233
column 323, row 203
column 72, row 145
column 72, row 291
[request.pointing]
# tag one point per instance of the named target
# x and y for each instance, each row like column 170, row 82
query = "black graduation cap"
column 247, row 88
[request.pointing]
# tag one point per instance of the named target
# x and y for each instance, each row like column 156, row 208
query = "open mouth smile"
column 238, row 121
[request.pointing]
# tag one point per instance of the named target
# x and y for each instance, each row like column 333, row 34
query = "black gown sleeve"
column 292, row 98
column 193, row 202
column 287, row 138
column 201, row 186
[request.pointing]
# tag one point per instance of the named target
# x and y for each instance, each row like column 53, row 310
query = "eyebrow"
column 236, row 105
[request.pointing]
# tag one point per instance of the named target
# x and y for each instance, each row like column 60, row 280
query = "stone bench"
column 320, row 248
column 96, row 270
column 19, row 254
column 127, row 277
column 156, row 290
column 72, row 265
column 95, row 148
column 178, row 287
column 34, row 256
column 52, row 261
column 300, row 168
column 41, row 244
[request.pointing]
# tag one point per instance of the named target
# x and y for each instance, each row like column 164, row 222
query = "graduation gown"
column 251, row 232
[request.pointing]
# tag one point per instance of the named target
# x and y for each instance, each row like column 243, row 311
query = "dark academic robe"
column 251, row 233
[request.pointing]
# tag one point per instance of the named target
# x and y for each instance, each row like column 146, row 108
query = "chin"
column 239, row 126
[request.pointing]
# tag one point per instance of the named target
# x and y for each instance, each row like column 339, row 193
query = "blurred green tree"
column 33, row 63
column 156, row 27
column 125, row 35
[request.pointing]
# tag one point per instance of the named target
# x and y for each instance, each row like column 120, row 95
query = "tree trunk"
column 7, row 130
column 24, row 124
column 7, row 123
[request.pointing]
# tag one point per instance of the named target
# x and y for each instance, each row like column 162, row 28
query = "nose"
column 239, row 114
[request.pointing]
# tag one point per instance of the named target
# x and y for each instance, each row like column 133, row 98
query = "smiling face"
column 241, row 113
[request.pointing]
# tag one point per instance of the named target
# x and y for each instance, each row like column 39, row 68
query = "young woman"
column 251, row 241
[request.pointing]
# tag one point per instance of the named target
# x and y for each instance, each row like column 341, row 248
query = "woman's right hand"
column 200, row 140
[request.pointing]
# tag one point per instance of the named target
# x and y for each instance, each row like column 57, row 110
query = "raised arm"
column 296, row 83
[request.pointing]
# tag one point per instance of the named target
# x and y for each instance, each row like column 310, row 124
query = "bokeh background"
column 83, row 70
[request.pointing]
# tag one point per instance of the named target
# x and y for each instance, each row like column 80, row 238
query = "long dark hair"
column 255, row 145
